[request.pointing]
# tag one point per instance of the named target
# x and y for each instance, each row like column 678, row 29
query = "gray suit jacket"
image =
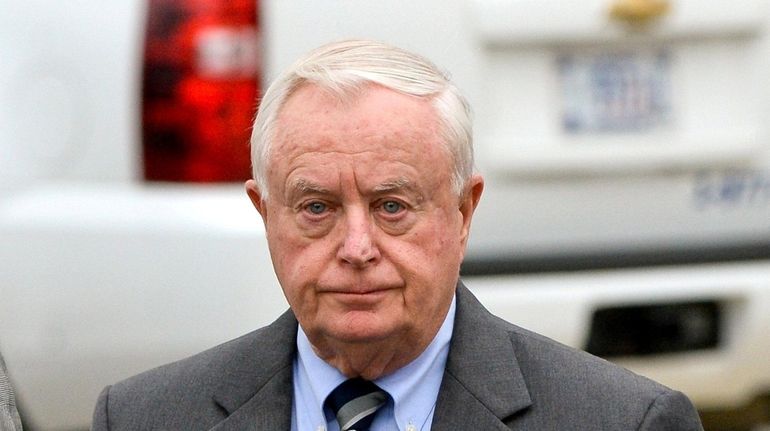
column 9, row 416
column 498, row 377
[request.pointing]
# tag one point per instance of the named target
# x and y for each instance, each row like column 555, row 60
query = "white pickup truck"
column 625, row 145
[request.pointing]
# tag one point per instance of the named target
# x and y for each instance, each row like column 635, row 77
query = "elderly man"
column 363, row 176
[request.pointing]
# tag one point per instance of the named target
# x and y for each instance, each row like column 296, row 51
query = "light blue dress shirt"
column 413, row 388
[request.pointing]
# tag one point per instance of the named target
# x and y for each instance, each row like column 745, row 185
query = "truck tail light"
column 200, row 84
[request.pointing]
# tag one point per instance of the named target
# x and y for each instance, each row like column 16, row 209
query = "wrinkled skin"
column 365, row 232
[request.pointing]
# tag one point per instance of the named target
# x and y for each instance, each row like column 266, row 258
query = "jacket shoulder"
column 550, row 385
column 571, row 386
column 182, row 394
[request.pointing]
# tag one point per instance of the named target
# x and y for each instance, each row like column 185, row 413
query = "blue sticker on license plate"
column 615, row 92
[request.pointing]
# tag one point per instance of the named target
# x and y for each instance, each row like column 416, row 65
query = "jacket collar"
column 482, row 383
column 256, row 389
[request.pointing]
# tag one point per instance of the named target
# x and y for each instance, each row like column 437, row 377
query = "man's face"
column 365, row 232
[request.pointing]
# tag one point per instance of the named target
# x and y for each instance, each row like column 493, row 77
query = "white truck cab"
column 625, row 146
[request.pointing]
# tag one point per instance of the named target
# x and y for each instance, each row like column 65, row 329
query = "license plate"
column 615, row 91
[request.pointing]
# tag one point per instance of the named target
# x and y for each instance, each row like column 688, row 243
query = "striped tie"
column 355, row 403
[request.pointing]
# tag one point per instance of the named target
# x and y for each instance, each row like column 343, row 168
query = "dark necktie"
column 355, row 403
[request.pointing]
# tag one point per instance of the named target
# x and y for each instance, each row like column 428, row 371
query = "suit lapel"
column 269, row 409
column 256, row 392
column 482, row 384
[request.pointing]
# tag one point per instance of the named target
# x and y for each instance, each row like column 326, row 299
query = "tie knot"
column 355, row 402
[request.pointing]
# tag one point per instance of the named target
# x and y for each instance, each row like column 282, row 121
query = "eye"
column 392, row 207
column 316, row 207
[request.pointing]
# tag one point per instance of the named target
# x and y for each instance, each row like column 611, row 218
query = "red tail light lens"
column 200, row 86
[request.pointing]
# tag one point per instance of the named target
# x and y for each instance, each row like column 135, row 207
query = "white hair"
column 346, row 67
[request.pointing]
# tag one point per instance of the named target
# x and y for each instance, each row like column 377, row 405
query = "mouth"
column 359, row 294
column 358, row 291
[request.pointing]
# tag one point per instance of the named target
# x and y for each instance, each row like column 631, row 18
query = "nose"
column 358, row 247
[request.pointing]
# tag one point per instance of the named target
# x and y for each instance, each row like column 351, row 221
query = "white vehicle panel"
column 69, row 88
column 110, row 280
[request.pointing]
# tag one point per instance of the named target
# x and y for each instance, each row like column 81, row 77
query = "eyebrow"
column 303, row 186
column 396, row 184
column 400, row 184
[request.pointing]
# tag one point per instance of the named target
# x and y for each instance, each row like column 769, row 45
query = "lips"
column 356, row 290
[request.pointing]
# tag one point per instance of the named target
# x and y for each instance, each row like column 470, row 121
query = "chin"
column 363, row 329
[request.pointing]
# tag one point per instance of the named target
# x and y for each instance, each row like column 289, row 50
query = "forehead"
column 375, row 123
column 372, row 109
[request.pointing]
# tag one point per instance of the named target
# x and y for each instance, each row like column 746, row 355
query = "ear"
column 256, row 198
column 468, row 204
